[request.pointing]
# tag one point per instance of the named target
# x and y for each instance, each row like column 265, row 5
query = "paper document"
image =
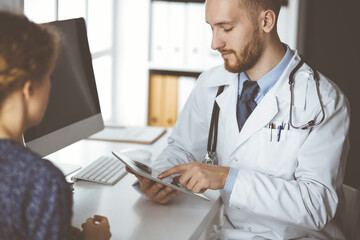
column 144, row 135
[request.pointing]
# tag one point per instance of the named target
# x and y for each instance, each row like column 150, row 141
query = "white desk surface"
column 132, row 216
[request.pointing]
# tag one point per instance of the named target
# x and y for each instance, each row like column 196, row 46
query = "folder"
column 195, row 27
column 163, row 92
column 143, row 135
column 176, row 29
column 155, row 112
column 159, row 32
column 170, row 100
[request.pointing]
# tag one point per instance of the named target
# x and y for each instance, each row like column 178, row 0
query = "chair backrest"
column 350, row 215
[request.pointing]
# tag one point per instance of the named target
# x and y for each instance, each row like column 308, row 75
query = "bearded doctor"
column 280, row 148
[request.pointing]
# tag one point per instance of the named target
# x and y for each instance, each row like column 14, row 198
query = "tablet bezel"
column 129, row 163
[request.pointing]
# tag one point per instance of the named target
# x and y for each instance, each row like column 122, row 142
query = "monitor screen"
column 73, row 112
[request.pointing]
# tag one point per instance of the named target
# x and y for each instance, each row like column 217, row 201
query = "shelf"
column 283, row 2
column 174, row 70
column 186, row 1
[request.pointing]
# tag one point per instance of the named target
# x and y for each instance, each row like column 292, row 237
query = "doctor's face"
column 235, row 36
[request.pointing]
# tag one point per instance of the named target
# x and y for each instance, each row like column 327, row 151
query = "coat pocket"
column 274, row 153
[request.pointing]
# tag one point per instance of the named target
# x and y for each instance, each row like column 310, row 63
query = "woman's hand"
column 96, row 228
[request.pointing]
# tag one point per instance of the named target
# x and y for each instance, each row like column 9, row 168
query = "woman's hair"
column 27, row 52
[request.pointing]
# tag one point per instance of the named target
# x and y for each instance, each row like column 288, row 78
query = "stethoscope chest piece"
column 211, row 158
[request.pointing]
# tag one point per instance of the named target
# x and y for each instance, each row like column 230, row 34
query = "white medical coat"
column 284, row 190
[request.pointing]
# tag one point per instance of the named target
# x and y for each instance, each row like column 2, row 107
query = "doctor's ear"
column 268, row 20
column 28, row 90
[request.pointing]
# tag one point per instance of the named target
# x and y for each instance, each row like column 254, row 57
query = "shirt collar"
column 267, row 81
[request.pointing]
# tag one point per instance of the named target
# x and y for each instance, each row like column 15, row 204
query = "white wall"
column 12, row 5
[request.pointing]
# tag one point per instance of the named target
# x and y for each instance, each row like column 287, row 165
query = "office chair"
column 350, row 215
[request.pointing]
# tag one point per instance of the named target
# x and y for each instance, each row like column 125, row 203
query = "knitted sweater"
column 35, row 199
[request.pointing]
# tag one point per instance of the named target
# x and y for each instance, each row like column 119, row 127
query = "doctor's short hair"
column 27, row 52
column 255, row 7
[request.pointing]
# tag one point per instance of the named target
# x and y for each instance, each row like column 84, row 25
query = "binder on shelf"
column 170, row 100
column 159, row 33
column 180, row 37
column 143, row 135
column 155, row 115
column 176, row 30
column 195, row 26
column 163, row 91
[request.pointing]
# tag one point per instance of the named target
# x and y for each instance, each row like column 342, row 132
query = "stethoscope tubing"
column 212, row 138
column 311, row 123
column 213, row 130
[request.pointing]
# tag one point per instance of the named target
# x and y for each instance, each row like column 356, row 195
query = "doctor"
column 276, row 181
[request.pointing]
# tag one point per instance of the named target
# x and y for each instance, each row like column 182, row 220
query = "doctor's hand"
column 155, row 191
column 198, row 177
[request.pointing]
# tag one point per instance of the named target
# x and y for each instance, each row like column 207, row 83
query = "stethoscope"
column 211, row 156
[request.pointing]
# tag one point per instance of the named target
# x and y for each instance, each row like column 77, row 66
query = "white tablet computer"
column 151, row 173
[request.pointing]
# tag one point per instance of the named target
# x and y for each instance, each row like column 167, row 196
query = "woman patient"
column 35, row 199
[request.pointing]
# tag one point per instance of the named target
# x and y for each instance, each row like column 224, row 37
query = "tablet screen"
column 151, row 173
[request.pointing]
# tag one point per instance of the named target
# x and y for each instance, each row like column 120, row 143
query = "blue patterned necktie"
column 246, row 102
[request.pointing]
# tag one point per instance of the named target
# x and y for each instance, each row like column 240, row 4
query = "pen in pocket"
column 286, row 129
column 279, row 133
column 271, row 128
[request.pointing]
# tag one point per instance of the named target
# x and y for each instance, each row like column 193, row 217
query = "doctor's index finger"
column 181, row 168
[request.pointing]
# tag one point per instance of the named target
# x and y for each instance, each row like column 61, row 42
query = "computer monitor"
column 73, row 112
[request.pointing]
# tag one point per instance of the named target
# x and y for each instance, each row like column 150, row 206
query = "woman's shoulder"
column 28, row 164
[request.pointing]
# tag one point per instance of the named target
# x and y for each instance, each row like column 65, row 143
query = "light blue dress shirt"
column 265, row 83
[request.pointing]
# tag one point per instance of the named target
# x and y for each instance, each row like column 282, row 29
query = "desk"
column 132, row 216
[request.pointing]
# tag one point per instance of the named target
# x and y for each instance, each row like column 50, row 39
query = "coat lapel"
column 259, row 118
column 261, row 115
column 268, row 108
column 227, row 103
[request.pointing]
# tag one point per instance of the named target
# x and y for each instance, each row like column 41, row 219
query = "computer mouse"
column 140, row 155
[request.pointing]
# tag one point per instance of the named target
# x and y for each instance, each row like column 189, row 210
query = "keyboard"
column 104, row 170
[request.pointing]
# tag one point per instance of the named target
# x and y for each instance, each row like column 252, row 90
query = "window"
column 100, row 23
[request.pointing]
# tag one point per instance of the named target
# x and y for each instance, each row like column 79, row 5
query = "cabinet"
column 179, row 51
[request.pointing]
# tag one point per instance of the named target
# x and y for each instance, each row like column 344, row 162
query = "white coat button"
column 249, row 229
